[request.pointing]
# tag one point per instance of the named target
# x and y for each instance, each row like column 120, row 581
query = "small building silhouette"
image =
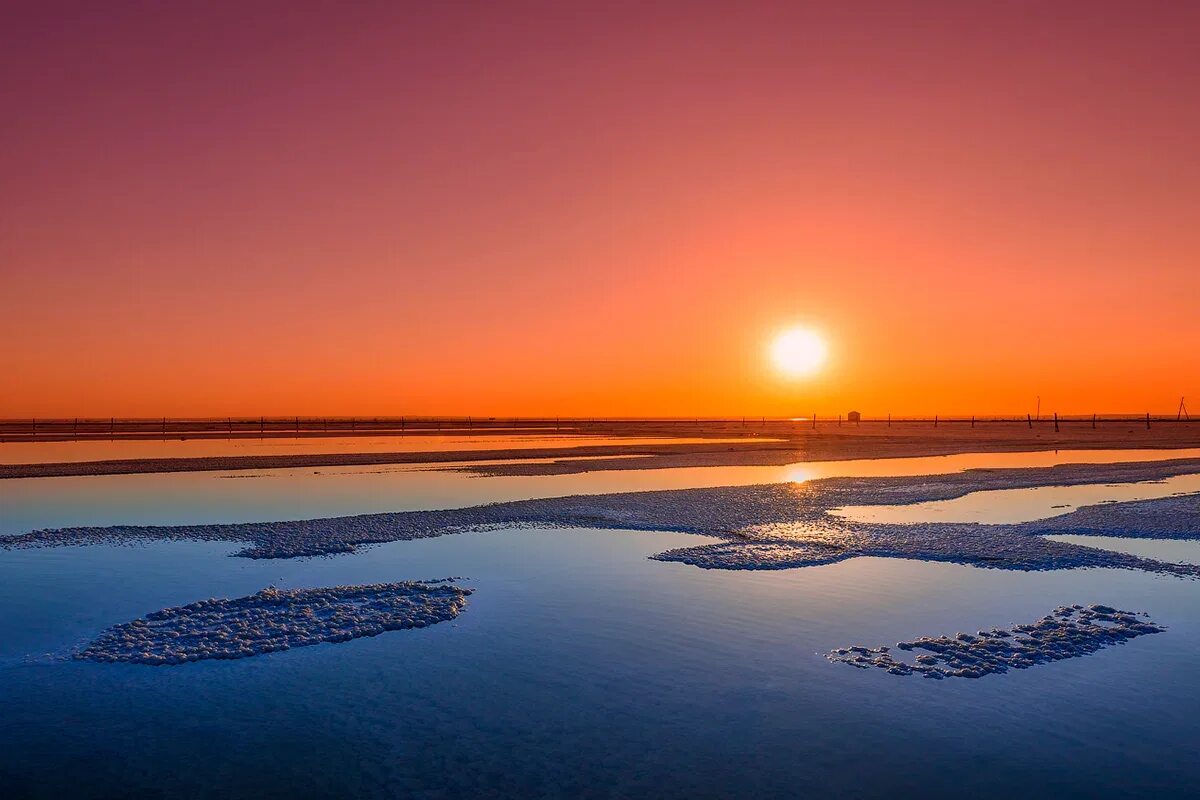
column 854, row 416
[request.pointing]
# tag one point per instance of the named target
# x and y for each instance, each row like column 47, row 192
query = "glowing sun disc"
column 798, row 351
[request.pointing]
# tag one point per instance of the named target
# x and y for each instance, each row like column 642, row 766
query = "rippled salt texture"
column 248, row 496
column 1068, row 632
column 273, row 620
column 779, row 526
column 1180, row 551
column 1003, row 506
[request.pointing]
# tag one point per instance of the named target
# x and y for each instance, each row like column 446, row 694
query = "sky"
column 601, row 208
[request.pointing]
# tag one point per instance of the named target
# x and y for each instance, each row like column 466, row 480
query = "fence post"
column 935, row 420
column 1093, row 422
column 1029, row 419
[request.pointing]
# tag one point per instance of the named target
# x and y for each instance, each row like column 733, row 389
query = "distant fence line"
column 98, row 427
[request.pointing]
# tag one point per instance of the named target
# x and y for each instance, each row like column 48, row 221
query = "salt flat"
column 573, row 619
column 764, row 527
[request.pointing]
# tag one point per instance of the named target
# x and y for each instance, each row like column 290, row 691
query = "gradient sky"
column 597, row 208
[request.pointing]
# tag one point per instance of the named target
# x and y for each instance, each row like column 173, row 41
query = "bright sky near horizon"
column 597, row 208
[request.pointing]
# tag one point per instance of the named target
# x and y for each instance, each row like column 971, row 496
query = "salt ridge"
column 774, row 526
column 1067, row 632
column 273, row 620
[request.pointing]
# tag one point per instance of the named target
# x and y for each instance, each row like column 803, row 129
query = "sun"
column 798, row 352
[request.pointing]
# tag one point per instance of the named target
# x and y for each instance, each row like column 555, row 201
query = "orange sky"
column 328, row 208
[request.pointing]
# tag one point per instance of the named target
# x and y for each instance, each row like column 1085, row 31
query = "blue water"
column 581, row 668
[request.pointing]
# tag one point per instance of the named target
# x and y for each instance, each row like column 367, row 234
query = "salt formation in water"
column 1068, row 632
column 775, row 526
column 275, row 619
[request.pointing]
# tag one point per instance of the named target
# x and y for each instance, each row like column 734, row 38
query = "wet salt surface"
column 1021, row 505
column 1177, row 550
column 273, row 620
column 1067, row 632
column 265, row 495
column 581, row 669
column 780, row 526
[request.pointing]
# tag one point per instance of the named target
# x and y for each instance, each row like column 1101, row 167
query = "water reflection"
column 102, row 450
column 1002, row 506
column 580, row 667
column 1175, row 550
column 266, row 495
column 580, row 664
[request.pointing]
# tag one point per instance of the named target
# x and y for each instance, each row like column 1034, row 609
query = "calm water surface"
column 580, row 668
column 266, row 495
column 102, row 450
column 1001, row 506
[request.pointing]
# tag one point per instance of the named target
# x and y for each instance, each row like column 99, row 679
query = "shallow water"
column 579, row 668
column 265, row 495
column 101, row 449
column 1180, row 551
column 1020, row 505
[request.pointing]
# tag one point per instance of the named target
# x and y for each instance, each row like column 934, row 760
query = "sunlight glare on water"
column 278, row 494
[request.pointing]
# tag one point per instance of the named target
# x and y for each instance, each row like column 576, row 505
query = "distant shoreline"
column 65, row 429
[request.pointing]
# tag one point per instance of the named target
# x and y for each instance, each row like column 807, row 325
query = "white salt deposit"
column 273, row 620
column 1067, row 632
column 774, row 526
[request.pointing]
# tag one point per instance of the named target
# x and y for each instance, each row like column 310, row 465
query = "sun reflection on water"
column 800, row 474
